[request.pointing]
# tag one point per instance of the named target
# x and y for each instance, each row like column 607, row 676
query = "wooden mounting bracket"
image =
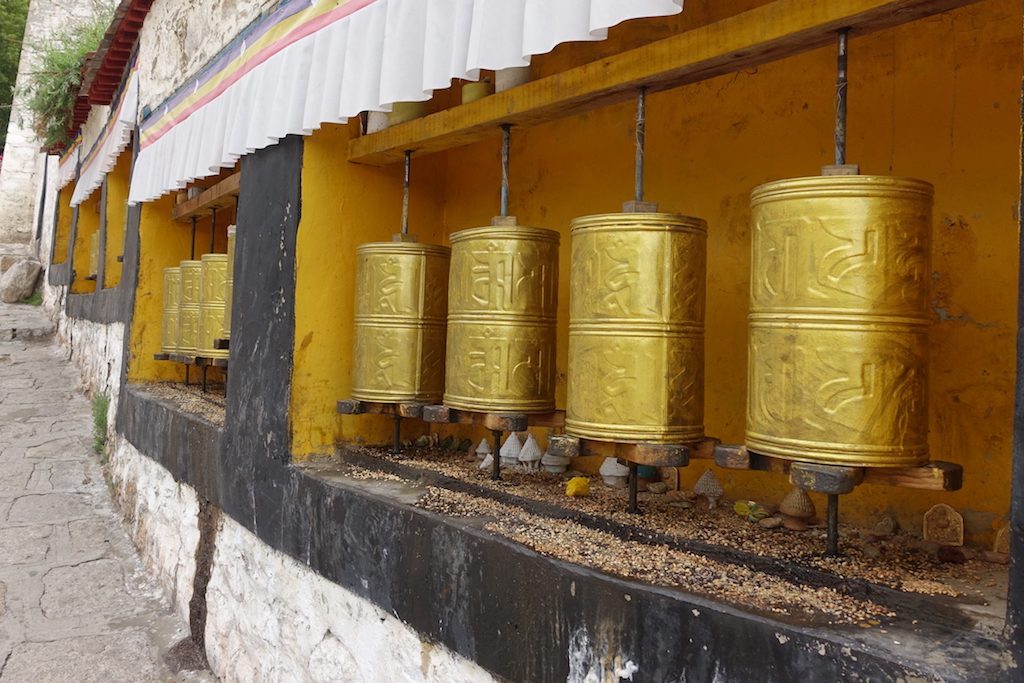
column 936, row 475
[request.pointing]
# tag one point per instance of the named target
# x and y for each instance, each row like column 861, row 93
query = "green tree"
column 13, row 14
column 53, row 86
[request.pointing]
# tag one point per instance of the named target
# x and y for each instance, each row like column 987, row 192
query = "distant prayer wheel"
column 401, row 303
column 636, row 328
column 172, row 290
column 212, row 281
column 188, row 307
column 229, row 284
column 94, row 254
column 503, row 296
column 838, row 346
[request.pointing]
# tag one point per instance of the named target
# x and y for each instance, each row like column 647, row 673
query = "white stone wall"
column 270, row 618
column 53, row 297
column 49, row 199
column 162, row 520
column 95, row 349
column 93, row 127
column 180, row 36
column 18, row 177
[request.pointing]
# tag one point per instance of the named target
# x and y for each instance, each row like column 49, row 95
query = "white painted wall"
column 19, row 175
column 179, row 37
column 162, row 520
column 95, row 349
column 270, row 618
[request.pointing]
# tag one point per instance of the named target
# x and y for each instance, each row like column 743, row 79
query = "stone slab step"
column 22, row 322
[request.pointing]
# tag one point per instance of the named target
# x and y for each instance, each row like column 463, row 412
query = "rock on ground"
column 19, row 281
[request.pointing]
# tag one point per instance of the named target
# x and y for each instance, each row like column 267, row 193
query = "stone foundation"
column 162, row 519
column 268, row 616
column 96, row 350
column 271, row 618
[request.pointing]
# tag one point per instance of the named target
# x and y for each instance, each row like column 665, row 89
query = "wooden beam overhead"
column 767, row 33
column 220, row 196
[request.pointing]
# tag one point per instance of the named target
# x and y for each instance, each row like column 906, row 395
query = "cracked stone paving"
column 76, row 603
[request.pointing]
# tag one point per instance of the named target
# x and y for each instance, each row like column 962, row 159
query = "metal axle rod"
column 832, row 542
column 496, row 461
column 396, row 444
column 641, row 134
column 841, row 87
column 634, row 484
column 506, row 144
column 213, row 226
column 405, row 192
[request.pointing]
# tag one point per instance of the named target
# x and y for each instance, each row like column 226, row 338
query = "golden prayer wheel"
column 636, row 328
column 503, row 298
column 401, row 302
column 188, row 307
column 172, row 289
column 212, row 283
column 838, row 347
column 229, row 284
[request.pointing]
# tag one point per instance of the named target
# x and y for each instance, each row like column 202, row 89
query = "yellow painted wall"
column 88, row 225
column 117, row 204
column 62, row 231
column 344, row 205
column 936, row 99
column 163, row 243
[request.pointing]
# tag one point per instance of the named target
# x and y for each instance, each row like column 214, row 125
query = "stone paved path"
column 75, row 601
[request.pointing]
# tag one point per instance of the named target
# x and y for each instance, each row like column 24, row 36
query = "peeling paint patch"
column 626, row 672
column 593, row 663
column 945, row 316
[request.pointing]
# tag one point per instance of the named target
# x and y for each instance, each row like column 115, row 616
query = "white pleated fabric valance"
column 311, row 63
column 68, row 166
column 116, row 136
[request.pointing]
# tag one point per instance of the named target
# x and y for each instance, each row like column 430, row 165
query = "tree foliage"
column 54, row 83
column 13, row 14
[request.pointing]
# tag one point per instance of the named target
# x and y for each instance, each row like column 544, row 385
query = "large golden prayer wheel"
column 401, row 303
column 229, row 284
column 213, row 274
column 188, row 307
column 503, row 297
column 636, row 328
column 838, row 347
column 172, row 289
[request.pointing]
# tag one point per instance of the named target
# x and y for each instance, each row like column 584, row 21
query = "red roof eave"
column 105, row 68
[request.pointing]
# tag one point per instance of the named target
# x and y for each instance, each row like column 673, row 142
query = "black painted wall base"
column 519, row 614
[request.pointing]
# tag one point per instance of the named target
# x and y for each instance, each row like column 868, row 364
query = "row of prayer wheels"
column 197, row 311
column 838, row 324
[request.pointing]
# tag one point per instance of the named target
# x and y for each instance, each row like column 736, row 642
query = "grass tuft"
column 100, row 406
